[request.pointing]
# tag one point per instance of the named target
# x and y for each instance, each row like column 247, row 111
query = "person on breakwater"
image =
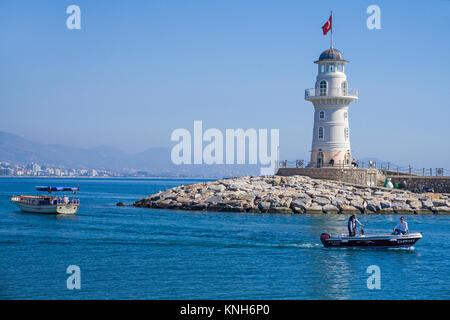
column 401, row 227
column 352, row 225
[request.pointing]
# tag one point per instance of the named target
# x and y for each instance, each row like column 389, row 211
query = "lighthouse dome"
column 331, row 54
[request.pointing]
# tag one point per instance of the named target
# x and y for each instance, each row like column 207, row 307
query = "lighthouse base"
column 330, row 158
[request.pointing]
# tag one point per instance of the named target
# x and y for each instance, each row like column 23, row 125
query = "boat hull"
column 48, row 209
column 375, row 241
column 67, row 209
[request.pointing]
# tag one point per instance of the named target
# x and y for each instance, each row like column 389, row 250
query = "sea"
column 139, row 253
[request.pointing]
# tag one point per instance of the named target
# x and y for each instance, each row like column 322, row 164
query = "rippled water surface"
column 135, row 253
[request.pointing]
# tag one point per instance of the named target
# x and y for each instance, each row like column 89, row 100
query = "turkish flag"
column 326, row 27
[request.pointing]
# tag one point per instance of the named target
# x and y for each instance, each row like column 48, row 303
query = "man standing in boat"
column 352, row 225
column 401, row 227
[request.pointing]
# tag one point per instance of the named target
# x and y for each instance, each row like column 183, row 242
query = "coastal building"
column 331, row 97
column 35, row 167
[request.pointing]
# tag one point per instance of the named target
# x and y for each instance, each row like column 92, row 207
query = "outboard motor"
column 324, row 236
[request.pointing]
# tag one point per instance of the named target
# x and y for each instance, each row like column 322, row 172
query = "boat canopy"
column 56, row 188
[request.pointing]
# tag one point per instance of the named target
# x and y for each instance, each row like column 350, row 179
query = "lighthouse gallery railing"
column 331, row 92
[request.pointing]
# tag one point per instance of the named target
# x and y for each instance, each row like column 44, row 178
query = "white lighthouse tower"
column 331, row 97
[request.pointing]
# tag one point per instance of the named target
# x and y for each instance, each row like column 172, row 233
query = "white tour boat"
column 49, row 203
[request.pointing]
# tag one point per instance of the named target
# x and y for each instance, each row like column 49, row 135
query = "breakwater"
column 294, row 194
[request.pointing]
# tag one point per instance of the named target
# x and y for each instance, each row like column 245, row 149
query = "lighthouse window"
column 339, row 67
column 345, row 115
column 322, row 115
column 320, row 132
column 332, row 67
column 346, row 133
column 344, row 88
column 323, row 88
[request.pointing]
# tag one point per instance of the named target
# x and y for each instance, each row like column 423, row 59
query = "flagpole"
column 331, row 29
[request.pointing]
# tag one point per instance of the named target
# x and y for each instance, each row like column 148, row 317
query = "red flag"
column 326, row 27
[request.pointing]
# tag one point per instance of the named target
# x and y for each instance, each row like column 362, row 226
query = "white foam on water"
column 304, row 245
column 287, row 245
column 404, row 248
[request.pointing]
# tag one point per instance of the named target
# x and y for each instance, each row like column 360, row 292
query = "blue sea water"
column 137, row 253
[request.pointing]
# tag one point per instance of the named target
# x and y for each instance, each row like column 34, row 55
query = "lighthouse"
column 331, row 97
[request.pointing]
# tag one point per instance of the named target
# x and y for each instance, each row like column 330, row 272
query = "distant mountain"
column 16, row 149
column 154, row 161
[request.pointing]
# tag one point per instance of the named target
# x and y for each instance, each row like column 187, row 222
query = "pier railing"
column 387, row 168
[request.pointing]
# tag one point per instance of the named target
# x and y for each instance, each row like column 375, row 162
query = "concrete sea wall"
column 422, row 183
column 365, row 177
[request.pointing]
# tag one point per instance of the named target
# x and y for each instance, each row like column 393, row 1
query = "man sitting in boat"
column 352, row 225
column 401, row 227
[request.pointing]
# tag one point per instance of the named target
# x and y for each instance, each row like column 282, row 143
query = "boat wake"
column 305, row 245
column 403, row 248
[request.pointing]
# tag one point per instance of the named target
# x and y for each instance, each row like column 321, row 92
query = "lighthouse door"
column 320, row 160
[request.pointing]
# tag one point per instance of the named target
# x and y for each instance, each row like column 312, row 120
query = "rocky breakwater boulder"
column 294, row 194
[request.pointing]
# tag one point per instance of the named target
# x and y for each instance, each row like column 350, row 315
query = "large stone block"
column 314, row 209
column 280, row 210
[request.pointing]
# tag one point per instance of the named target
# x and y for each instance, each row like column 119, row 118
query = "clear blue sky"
column 137, row 70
